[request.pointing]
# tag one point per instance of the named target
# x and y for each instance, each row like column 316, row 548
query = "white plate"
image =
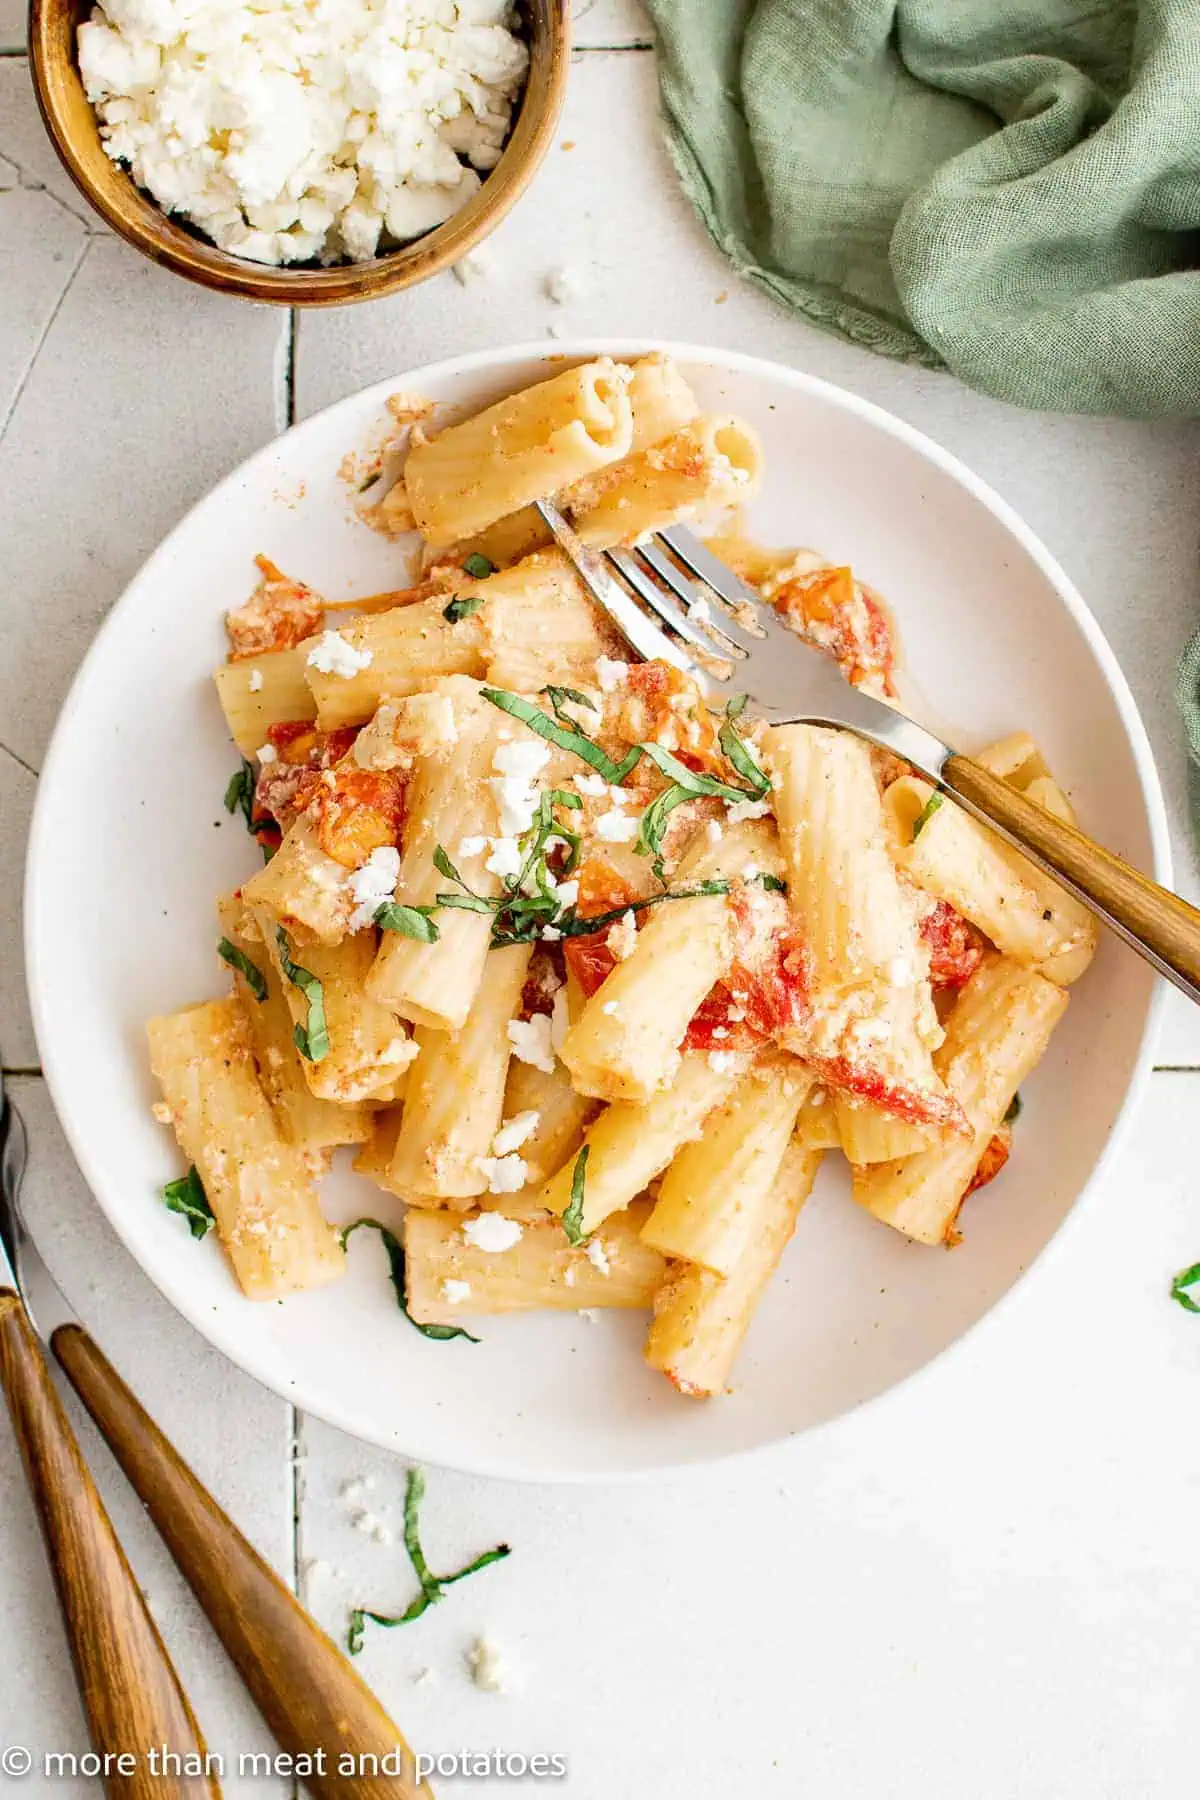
column 125, row 864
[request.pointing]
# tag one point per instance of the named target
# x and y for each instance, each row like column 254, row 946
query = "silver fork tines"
column 660, row 596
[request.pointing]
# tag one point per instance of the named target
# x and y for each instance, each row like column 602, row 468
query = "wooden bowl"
column 74, row 131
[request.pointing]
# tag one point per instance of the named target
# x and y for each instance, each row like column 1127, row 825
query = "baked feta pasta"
column 585, row 973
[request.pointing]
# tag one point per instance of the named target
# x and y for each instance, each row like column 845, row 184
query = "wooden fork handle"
column 131, row 1693
column 318, row 1708
column 1161, row 926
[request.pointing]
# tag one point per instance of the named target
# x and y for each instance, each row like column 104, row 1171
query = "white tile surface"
column 204, row 1404
column 984, row 1587
column 607, row 24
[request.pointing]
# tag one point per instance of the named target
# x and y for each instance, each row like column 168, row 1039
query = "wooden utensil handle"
column 1164, row 928
column 317, row 1706
column 131, row 1693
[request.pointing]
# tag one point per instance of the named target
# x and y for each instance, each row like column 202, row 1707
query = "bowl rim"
column 39, row 859
column 160, row 238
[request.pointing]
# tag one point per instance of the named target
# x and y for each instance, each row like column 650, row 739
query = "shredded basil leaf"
column 395, row 1256
column 237, row 959
column 409, row 921
column 737, row 706
column 433, row 1587
column 567, row 739
column 689, row 779
column 312, row 1039
column 1186, row 1280
column 478, row 566
column 738, row 752
column 1014, row 1109
column 558, row 697
column 573, row 1217
column 370, row 481
column 240, row 793
column 187, row 1197
column 444, row 866
column 926, row 813
column 653, row 826
column 461, row 607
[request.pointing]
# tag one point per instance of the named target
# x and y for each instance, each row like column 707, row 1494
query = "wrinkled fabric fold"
column 1009, row 190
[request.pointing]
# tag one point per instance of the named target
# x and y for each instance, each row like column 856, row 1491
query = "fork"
column 674, row 600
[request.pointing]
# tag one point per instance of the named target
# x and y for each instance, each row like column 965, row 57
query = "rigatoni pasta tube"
column 257, row 692
column 661, row 403
column 533, row 443
column 304, row 1120
column 454, row 1100
column 448, row 1277
column 260, row 1191
column 447, row 801
column 302, row 888
column 817, row 1122
column 995, row 1037
column 867, row 1135
column 368, row 1046
column 871, row 1027
column 629, row 1145
column 539, row 625
column 625, row 1043
column 712, row 464
column 1025, row 914
column 562, row 1115
column 713, row 1194
column 701, row 1319
column 407, row 648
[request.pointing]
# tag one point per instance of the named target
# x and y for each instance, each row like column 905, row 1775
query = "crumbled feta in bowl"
column 305, row 131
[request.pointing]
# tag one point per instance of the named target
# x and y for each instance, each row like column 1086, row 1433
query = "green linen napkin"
column 1009, row 189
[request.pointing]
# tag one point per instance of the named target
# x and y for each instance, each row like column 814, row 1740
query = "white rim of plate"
column 214, row 1329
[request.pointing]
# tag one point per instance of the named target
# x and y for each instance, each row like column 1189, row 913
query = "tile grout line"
column 42, row 336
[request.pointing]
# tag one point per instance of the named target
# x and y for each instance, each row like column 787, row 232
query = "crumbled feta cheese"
column 700, row 611
column 162, row 1112
column 489, row 1669
column 610, row 673
column 616, row 827
column 611, row 1009
column 901, row 972
column 373, row 885
column 817, row 1097
column 714, row 831
column 506, row 858
column 491, row 1231
column 256, row 681
column 720, row 1031
column 550, row 934
column 570, row 1275
column 476, row 265
column 516, row 764
column 566, row 893
column 532, row 1042
column 721, row 1061
column 594, row 785
column 332, row 655
column 383, row 1534
column 297, row 133
column 622, row 937
column 267, row 753
column 515, row 1131
column 455, row 1292
column 522, row 757
column 597, row 1255
column 746, row 809
column 563, row 284
column 560, row 1019
column 470, row 846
